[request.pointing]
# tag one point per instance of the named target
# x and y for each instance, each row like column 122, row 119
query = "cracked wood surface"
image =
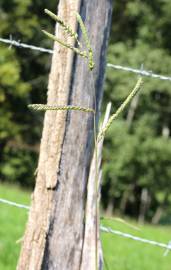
column 32, row 251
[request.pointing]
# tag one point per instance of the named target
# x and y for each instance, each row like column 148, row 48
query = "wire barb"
column 140, row 72
column 109, row 65
column 24, row 45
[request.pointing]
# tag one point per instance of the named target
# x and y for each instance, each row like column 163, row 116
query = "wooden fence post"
column 55, row 230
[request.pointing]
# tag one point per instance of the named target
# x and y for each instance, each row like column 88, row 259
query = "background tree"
column 141, row 150
column 23, row 81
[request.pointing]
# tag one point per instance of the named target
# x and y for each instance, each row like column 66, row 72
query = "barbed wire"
column 136, row 238
column 118, row 67
column 15, row 43
column 140, row 72
column 103, row 229
column 14, row 204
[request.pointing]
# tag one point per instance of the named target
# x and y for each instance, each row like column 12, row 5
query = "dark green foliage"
column 23, row 80
column 138, row 156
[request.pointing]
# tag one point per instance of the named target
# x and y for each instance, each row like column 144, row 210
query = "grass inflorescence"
column 121, row 108
column 68, row 30
column 42, row 107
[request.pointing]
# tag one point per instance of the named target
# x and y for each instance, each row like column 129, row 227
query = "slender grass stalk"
column 137, row 87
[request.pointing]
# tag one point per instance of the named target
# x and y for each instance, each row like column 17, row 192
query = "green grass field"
column 119, row 253
column 12, row 222
column 126, row 254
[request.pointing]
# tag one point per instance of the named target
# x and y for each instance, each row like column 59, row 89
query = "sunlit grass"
column 125, row 254
column 12, row 222
column 119, row 253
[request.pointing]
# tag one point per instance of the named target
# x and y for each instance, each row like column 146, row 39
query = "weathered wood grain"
column 32, row 251
column 55, row 230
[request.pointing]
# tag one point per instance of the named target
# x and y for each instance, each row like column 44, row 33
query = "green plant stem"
column 96, row 192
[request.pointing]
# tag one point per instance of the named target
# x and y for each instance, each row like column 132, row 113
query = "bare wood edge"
column 32, row 251
column 89, row 245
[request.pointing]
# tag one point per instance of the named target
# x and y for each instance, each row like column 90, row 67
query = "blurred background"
column 137, row 152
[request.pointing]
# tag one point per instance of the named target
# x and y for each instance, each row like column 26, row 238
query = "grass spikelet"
column 84, row 31
column 86, row 39
column 120, row 109
column 65, row 27
column 44, row 107
column 76, row 50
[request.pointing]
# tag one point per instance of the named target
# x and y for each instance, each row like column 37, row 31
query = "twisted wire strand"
column 140, row 72
column 118, row 67
column 14, row 204
column 44, row 107
column 136, row 238
column 103, row 228
column 24, row 45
